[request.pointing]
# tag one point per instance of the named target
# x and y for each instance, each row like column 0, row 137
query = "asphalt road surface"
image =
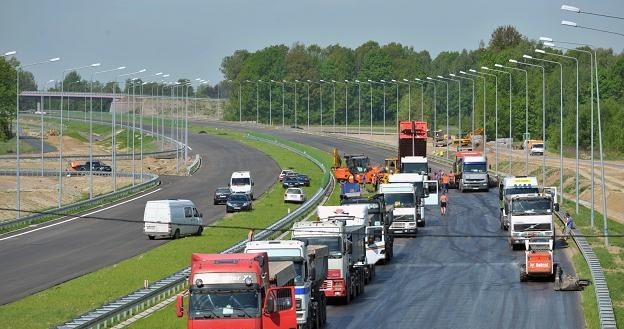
column 53, row 254
column 436, row 281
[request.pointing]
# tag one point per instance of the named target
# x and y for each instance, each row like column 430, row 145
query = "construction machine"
column 357, row 166
column 539, row 260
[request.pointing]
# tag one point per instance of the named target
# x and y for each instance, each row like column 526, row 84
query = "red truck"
column 412, row 150
column 239, row 291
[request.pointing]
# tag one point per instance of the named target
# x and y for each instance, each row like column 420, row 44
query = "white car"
column 284, row 173
column 294, row 194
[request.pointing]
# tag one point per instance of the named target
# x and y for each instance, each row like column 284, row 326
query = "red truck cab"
column 237, row 291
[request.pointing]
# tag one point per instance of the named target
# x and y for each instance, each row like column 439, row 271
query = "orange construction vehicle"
column 539, row 260
column 356, row 168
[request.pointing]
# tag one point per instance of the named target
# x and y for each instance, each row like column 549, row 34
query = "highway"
column 38, row 258
column 450, row 282
column 436, row 282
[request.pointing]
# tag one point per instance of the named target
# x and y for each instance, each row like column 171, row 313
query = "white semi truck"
column 529, row 216
column 426, row 191
column 310, row 263
column 404, row 201
column 345, row 243
column 357, row 214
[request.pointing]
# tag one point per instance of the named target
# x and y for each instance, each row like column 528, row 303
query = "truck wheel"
column 555, row 274
column 176, row 235
column 523, row 274
column 151, row 237
column 199, row 230
column 347, row 298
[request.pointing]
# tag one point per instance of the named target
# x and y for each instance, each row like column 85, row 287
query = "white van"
column 241, row 182
column 171, row 218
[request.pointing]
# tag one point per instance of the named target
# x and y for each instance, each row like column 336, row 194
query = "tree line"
column 252, row 75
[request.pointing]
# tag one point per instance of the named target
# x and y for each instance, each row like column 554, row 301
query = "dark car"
column 304, row 180
column 290, row 181
column 238, row 202
column 221, row 195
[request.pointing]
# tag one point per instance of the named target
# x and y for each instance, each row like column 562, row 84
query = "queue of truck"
column 288, row 283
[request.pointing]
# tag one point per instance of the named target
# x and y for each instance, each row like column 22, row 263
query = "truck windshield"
column 220, row 304
column 400, row 200
column 240, row 181
column 538, row 146
column 333, row 243
column 416, row 168
column 531, row 207
column 359, row 165
column 475, row 167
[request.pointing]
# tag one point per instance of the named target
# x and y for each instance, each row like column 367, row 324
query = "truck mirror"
column 180, row 306
column 201, row 215
column 313, row 274
column 270, row 305
column 349, row 247
column 429, row 170
column 556, row 207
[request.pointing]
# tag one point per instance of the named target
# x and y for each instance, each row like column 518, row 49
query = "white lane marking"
column 84, row 215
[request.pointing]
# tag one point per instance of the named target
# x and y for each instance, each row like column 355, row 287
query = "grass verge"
column 82, row 294
column 611, row 259
column 9, row 147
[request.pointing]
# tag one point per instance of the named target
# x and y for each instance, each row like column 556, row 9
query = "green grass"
column 609, row 261
column 82, row 294
column 10, row 147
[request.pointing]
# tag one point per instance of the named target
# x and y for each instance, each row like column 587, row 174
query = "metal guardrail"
column 152, row 180
column 603, row 297
column 142, row 299
column 190, row 170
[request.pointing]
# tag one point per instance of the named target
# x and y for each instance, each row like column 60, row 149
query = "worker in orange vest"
column 445, row 182
column 351, row 178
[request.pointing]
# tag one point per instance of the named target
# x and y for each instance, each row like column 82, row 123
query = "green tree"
column 7, row 98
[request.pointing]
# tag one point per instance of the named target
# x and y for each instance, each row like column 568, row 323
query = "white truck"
column 414, row 165
column 511, row 186
column 426, row 191
column 241, row 182
column 529, row 216
column 405, row 212
column 345, row 279
column 310, row 263
column 472, row 173
column 357, row 214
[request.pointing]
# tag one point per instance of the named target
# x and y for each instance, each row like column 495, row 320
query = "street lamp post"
column 543, row 114
column 45, row 87
column 495, row 115
column 435, row 107
column 474, row 73
column 91, row 126
column 526, row 111
column 447, row 114
column 576, row 123
column 270, row 101
column 359, row 104
column 384, row 107
column 473, row 96
column 458, row 102
column 320, row 83
column 397, row 103
column 17, row 129
column 60, row 194
column 550, row 43
column 422, row 99
column 510, row 118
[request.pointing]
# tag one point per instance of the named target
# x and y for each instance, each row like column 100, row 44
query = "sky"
column 189, row 38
